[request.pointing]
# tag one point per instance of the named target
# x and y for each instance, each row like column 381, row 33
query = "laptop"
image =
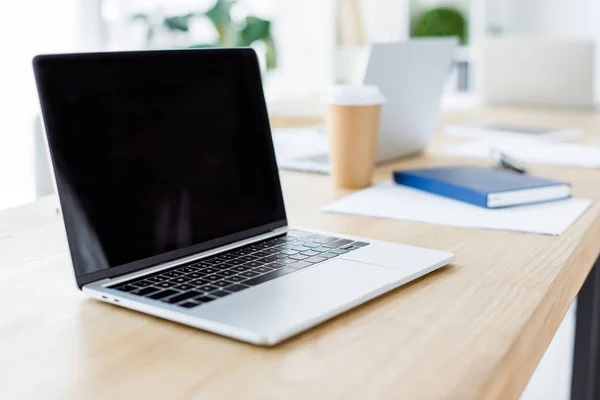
column 411, row 75
column 172, row 203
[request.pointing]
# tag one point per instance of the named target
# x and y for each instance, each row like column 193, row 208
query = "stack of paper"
column 532, row 151
column 388, row 200
column 292, row 143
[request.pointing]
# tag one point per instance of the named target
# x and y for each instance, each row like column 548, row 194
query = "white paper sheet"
column 532, row 151
column 291, row 143
column 388, row 200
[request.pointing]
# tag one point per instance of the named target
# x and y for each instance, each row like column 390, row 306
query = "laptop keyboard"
column 220, row 275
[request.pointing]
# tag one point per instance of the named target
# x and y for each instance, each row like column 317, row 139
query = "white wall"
column 555, row 18
column 305, row 34
column 560, row 17
column 386, row 20
column 47, row 26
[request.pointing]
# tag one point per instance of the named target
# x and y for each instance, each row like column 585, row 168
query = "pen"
column 507, row 162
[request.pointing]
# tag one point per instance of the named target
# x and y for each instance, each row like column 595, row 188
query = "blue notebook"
column 484, row 187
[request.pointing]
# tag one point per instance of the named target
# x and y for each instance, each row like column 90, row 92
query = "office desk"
column 473, row 330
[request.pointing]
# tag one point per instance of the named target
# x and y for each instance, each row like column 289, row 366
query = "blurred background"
column 303, row 46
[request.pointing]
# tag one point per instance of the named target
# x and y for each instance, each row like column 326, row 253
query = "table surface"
column 473, row 330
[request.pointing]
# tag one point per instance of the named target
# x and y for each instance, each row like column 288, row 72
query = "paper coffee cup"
column 352, row 120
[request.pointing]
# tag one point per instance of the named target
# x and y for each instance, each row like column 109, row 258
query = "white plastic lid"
column 353, row 95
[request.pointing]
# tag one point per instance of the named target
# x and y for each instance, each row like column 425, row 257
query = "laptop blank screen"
column 158, row 155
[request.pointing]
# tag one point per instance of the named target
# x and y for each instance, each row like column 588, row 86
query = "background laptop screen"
column 158, row 153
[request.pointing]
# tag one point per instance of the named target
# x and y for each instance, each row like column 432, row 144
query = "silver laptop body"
column 172, row 204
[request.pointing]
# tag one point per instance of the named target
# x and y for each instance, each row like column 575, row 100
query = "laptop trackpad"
column 289, row 304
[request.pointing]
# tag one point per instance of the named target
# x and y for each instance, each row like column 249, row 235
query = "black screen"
column 158, row 155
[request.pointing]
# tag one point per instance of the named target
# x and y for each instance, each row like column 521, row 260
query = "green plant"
column 441, row 21
column 230, row 33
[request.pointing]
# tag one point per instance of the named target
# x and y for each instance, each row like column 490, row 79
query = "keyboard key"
column 226, row 272
column 269, row 276
column 220, row 293
column 280, row 256
column 204, row 299
column 288, row 246
column 223, row 266
column 202, row 266
column 199, row 282
column 158, row 278
column 172, row 274
column 242, row 252
column 190, row 304
column 213, row 277
column 269, row 259
column 226, row 256
column 195, row 275
column 208, row 271
column 242, row 268
column 181, row 279
column 212, row 261
column 249, row 274
column 311, row 244
column 236, row 287
column 328, row 255
column 298, row 257
column 321, row 249
column 275, row 241
column 262, row 270
column 360, row 244
column 248, row 258
column 300, row 265
column 261, row 254
column 300, row 248
column 237, row 278
column 310, row 253
column 184, row 287
column 166, row 285
column 304, row 239
column 223, row 283
column 287, row 261
column 235, row 262
column 270, row 250
column 254, row 264
column 142, row 283
column 316, row 259
column 338, row 243
column 164, row 293
column 126, row 288
column 324, row 239
column 288, row 252
column 187, row 270
column 182, row 297
column 207, row 288
column 145, row 291
column 275, row 265
column 338, row 251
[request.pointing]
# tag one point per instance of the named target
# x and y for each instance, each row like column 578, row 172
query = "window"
column 47, row 27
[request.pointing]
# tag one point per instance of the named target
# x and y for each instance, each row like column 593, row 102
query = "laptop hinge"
column 232, row 246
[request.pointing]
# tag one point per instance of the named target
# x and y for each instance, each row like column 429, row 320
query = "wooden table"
column 474, row 330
